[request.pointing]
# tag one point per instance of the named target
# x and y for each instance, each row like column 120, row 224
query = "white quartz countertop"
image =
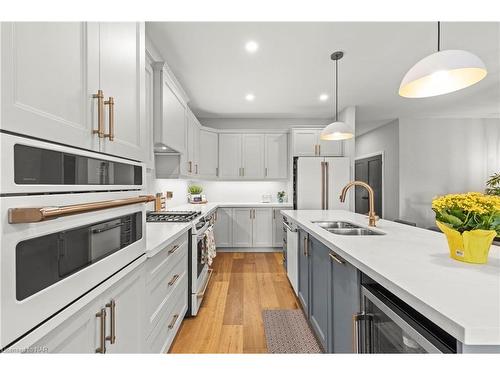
column 414, row 264
column 159, row 234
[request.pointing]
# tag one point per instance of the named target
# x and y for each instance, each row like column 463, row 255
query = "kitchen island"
column 414, row 264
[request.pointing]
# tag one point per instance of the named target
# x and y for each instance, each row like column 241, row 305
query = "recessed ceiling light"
column 250, row 97
column 323, row 97
column 251, row 46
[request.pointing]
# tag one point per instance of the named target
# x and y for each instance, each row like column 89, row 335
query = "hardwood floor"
column 230, row 317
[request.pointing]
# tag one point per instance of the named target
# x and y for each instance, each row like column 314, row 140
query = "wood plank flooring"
column 230, row 317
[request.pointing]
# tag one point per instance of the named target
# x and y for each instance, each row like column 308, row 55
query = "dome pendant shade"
column 441, row 73
column 337, row 131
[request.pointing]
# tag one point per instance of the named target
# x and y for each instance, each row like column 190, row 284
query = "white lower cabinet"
column 223, row 228
column 140, row 313
column 124, row 303
column 166, row 294
column 242, row 227
column 101, row 328
column 259, row 227
column 262, row 227
column 277, row 228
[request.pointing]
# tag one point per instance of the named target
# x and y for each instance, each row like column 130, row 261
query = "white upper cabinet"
column 229, row 155
column 209, row 153
column 49, row 72
column 331, row 148
column 253, row 156
column 169, row 112
column 276, row 156
column 122, row 46
column 149, row 82
column 307, row 142
column 192, row 145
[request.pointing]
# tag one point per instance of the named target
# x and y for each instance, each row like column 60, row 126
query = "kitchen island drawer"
column 170, row 319
column 163, row 287
column 168, row 257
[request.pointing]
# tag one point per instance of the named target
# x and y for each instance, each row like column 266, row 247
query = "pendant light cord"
column 439, row 36
column 336, row 90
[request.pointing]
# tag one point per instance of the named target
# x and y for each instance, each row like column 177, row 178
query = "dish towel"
column 209, row 250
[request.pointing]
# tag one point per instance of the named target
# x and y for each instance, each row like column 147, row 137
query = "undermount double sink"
column 345, row 228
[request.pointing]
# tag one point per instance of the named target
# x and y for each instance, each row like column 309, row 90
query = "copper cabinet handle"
column 327, row 187
column 36, row 214
column 266, row 171
column 319, row 149
column 100, row 114
column 102, row 331
column 196, row 168
column 190, row 169
column 174, row 279
column 172, row 323
column 112, row 335
column 322, row 185
column 111, row 104
column 173, row 249
column 305, row 246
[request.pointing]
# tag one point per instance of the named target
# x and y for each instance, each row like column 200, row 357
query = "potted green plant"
column 195, row 194
column 470, row 222
column 281, row 196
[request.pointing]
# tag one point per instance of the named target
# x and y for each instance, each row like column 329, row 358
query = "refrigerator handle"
column 327, row 187
column 322, row 185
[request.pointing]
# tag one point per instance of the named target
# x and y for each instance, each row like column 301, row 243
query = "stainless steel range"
column 199, row 272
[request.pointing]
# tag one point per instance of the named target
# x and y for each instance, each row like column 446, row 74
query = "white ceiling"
column 292, row 67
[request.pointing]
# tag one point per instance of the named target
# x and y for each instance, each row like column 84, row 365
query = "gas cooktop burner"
column 172, row 216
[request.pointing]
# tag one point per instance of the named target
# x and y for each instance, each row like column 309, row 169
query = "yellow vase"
column 470, row 246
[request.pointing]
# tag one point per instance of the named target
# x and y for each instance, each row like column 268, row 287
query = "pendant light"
column 442, row 72
column 337, row 130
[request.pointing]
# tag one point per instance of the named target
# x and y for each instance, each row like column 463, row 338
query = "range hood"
column 162, row 149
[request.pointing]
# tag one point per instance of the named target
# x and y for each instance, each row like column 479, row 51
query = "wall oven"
column 388, row 325
column 200, row 272
column 70, row 220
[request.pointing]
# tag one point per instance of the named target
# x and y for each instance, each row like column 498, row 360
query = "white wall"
column 384, row 139
column 177, row 186
column 242, row 191
column 441, row 156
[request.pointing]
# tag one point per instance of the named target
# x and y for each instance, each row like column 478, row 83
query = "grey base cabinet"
column 329, row 292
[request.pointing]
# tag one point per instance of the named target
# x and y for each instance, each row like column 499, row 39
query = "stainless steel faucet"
column 372, row 217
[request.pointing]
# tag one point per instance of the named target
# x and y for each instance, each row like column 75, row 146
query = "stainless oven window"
column 45, row 260
column 33, row 165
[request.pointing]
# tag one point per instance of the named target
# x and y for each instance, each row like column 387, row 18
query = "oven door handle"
column 203, row 230
column 35, row 215
column 201, row 294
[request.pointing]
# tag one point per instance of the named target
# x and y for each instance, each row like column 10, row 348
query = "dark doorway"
column 369, row 170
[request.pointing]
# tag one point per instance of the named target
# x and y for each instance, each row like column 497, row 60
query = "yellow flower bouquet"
column 470, row 222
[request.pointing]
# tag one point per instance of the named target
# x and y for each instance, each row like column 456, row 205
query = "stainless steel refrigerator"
column 317, row 182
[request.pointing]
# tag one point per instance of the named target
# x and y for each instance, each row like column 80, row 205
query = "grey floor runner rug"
column 287, row 331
